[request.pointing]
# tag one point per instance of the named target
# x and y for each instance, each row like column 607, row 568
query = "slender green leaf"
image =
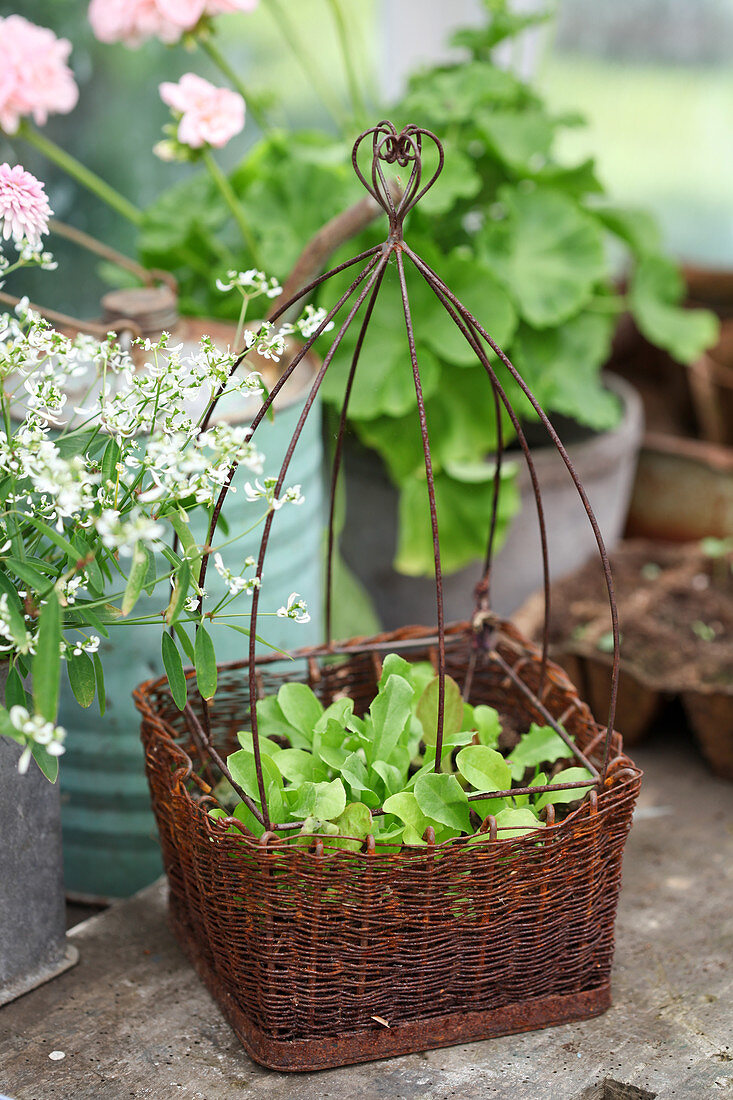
column 47, row 661
column 136, row 579
column 173, row 666
column 179, row 593
column 15, row 694
column 99, row 674
column 80, row 670
column 205, row 663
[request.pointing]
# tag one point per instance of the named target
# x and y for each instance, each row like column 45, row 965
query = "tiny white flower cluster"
column 37, row 731
column 295, row 609
column 266, row 489
column 234, row 583
column 251, row 283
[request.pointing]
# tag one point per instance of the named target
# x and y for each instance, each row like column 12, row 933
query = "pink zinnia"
column 209, row 115
column 24, row 209
column 34, row 77
column 134, row 21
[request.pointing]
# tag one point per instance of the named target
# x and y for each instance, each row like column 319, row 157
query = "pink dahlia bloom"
column 34, row 77
column 24, row 209
column 134, row 21
column 209, row 115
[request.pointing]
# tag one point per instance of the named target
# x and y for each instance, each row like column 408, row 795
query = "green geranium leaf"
column 637, row 227
column 570, row 775
column 540, row 745
column 458, row 180
column 392, row 776
column 484, row 768
column 427, row 709
column 521, row 139
column 441, row 798
column 542, row 355
column 444, row 96
column 516, row 822
column 547, row 252
column 242, row 767
column 656, row 287
column 464, row 511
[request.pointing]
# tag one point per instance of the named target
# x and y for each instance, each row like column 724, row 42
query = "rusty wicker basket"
column 328, row 957
column 321, row 956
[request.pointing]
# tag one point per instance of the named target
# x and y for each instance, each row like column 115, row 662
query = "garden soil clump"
column 675, row 614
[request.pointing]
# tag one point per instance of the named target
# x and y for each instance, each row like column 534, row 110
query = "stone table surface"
column 132, row 1019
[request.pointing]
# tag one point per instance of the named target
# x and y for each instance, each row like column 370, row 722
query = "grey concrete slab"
column 133, row 1021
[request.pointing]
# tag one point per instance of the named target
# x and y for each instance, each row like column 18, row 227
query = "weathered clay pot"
column 606, row 464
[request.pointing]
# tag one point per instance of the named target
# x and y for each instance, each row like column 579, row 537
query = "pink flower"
column 34, row 76
column 222, row 7
column 209, row 115
column 24, row 209
column 133, row 21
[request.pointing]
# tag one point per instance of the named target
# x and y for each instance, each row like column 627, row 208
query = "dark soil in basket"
column 675, row 613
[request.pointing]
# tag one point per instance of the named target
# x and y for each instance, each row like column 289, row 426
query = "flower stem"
column 313, row 74
column 233, row 203
column 81, row 174
column 254, row 105
column 357, row 99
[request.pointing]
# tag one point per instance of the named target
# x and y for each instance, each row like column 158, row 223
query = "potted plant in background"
column 98, row 531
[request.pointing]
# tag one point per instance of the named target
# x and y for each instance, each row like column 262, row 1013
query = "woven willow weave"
column 310, row 952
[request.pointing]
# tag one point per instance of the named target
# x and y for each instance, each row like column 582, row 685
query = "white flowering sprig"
column 295, row 609
column 103, row 463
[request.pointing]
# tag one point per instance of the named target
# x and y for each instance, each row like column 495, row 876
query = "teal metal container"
column 109, row 834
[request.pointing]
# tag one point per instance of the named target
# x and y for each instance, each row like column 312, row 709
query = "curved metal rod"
column 262, row 412
column 339, row 451
column 433, row 511
column 380, row 265
column 466, row 315
column 440, row 290
column 276, row 316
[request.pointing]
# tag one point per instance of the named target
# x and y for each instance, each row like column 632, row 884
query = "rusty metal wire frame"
column 309, row 950
column 404, row 149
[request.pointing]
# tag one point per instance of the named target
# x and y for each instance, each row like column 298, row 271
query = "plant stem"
column 81, row 174
column 233, row 203
column 254, row 106
column 357, row 99
column 311, row 71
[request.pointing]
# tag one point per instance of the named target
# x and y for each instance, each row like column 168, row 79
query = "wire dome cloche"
column 319, row 954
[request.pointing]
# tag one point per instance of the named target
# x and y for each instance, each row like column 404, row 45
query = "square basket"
column 325, row 957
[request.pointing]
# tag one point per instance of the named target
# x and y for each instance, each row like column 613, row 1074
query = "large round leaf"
column 547, row 252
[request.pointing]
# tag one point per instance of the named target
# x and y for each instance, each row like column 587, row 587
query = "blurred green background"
column 653, row 78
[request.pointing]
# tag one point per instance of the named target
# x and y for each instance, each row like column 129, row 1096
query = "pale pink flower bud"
column 34, row 77
column 208, row 115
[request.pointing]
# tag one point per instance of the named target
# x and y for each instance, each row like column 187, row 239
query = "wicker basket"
column 324, row 957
